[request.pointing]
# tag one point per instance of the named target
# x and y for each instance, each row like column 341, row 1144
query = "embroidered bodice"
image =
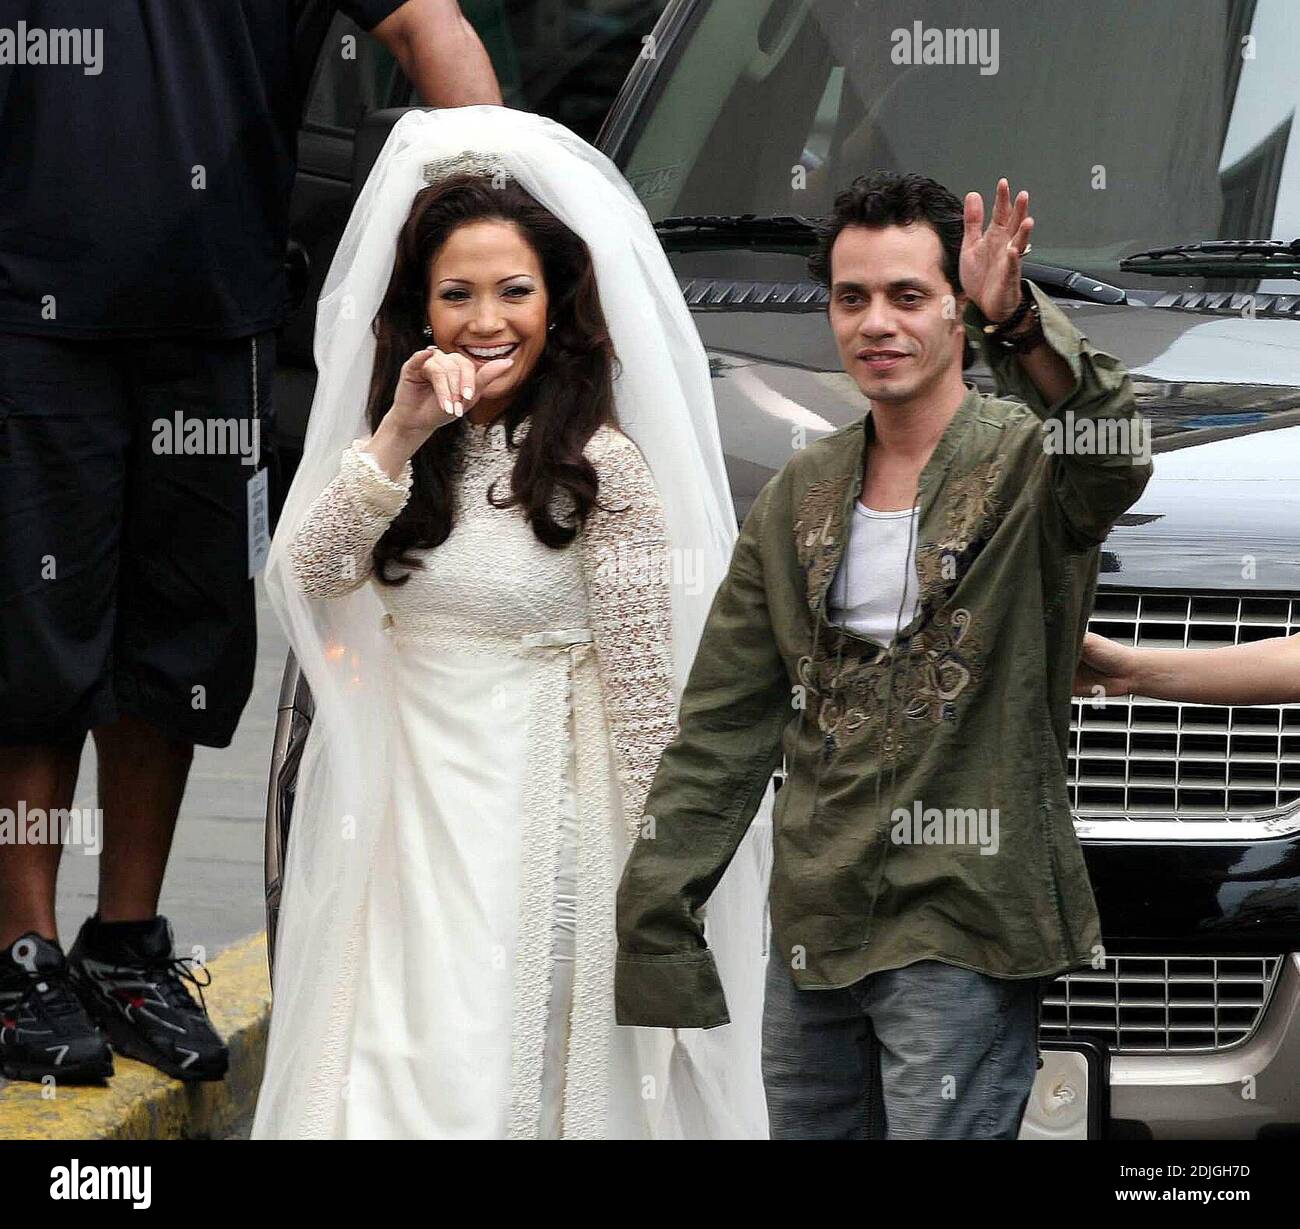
column 493, row 582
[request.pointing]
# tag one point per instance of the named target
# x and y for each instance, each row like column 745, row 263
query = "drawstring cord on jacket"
column 889, row 705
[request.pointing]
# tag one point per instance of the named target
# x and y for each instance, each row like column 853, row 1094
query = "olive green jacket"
column 924, row 813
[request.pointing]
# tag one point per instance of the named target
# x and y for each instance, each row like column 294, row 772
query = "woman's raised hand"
column 434, row 388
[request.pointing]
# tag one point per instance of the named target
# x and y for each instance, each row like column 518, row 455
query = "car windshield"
column 1133, row 126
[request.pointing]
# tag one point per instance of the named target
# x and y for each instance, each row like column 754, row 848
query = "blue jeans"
column 930, row 1051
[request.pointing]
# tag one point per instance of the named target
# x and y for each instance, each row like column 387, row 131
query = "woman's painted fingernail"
column 447, row 405
column 469, row 392
column 460, row 409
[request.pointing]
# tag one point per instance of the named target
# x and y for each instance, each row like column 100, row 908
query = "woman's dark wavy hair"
column 886, row 198
column 568, row 395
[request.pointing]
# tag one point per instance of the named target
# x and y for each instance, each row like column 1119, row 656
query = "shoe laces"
column 173, row 972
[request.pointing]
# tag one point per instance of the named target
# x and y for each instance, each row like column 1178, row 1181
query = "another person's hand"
column 990, row 259
column 434, row 388
column 1104, row 663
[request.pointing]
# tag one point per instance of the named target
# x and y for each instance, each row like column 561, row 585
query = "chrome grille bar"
column 1162, row 1004
column 1138, row 759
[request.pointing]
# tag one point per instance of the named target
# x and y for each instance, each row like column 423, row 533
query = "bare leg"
column 46, row 778
column 142, row 775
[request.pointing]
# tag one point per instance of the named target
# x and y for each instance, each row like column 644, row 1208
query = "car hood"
column 1222, row 394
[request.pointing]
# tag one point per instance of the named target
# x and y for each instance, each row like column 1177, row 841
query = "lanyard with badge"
column 259, row 521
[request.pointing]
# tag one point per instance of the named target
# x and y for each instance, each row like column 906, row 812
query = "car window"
column 1134, row 125
column 354, row 74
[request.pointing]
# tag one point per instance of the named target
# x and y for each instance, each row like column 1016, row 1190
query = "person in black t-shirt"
column 147, row 154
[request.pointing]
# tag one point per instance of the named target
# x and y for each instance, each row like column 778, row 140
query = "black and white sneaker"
column 44, row 1030
column 133, row 986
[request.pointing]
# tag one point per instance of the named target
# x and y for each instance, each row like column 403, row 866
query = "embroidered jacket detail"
column 972, row 515
column 858, row 689
column 817, row 535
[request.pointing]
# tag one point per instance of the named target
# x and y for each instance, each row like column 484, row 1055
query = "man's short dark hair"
column 886, row 198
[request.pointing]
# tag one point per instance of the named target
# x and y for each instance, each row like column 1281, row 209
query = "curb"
column 142, row 1103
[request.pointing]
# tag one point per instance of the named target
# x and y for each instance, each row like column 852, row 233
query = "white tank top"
column 868, row 589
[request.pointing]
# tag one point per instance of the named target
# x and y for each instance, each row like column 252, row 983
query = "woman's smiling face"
column 488, row 300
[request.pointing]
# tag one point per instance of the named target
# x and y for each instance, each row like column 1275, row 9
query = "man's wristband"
column 1009, row 336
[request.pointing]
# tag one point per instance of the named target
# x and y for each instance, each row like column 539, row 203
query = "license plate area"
column 1070, row 1096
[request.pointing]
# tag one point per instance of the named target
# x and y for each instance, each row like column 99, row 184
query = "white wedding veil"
column 665, row 404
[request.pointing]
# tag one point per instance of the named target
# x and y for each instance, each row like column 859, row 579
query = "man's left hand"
column 990, row 259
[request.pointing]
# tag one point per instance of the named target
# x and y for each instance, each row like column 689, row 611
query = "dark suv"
column 1157, row 143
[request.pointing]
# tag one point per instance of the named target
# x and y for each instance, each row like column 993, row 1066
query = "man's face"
column 895, row 318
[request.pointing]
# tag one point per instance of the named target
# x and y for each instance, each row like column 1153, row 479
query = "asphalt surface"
column 213, row 892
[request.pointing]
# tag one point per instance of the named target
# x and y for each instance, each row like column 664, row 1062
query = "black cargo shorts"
column 124, row 519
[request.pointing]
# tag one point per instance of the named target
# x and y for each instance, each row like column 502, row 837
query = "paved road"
column 213, row 890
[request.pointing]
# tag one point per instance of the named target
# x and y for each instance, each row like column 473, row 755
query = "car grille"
column 1162, row 1004
column 1139, row 759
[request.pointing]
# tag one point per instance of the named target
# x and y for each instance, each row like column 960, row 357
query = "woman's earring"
column 428, row 330
column 550, row 326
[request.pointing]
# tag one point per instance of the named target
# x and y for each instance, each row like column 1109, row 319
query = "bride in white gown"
column 494, row 565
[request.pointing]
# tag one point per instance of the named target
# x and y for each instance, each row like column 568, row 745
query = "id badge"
column 259, row 522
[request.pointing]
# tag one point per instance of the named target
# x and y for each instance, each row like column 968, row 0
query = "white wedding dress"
column 465, row 793
column 477, row 997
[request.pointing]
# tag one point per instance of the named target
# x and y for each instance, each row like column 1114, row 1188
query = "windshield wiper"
column 1077, row 285
column 774, row 232
column 1219, row 258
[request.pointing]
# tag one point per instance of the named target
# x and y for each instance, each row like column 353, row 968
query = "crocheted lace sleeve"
column 626, row 567
column 331, row 549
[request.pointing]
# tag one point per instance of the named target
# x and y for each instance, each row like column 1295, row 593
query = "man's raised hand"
column 990, row 259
